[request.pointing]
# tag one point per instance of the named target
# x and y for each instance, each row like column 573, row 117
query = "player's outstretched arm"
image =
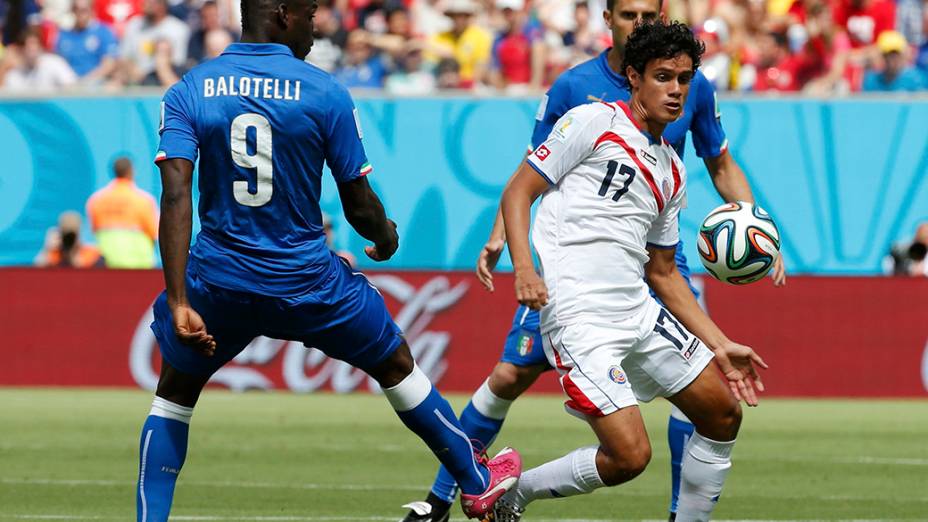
column 732, row 185
column 175, row 230
column 366, row 215
column 521, row 191
column 736, row 361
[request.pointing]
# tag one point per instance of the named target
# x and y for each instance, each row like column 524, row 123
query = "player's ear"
column 633, row 77
column 280, row 13
column 607, row 17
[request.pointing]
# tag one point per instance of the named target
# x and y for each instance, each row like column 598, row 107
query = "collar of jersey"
column 258, row 48
column 628, row 112
column 615, row 77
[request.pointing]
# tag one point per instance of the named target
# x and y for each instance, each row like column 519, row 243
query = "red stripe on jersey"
column 676, row 177
column 628, row 112
column 615, row 138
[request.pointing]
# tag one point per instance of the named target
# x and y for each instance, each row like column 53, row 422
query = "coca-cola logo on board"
column 307, row 369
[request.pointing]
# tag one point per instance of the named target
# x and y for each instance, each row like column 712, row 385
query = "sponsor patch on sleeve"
column 542, row 153
column 357, row 123
column 562, row 130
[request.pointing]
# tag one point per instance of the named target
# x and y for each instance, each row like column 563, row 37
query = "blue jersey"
column 85, row 49
column 594, row 80
column 263, row 123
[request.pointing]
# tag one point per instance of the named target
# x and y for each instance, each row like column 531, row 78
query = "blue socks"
column 679, row 432
column 162, row 450
column 482, row 419
column 424, row 411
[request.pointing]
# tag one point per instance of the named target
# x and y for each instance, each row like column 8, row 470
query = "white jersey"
column 613, row 191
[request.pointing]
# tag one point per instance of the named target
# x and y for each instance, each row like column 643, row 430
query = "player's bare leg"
column 482, row 420
column 163, row 444
column 427, row 414
column 716, row 413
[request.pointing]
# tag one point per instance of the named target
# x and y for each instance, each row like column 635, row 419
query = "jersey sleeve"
column 665, row 230
column 554, row 105
column 344, row 153
column 571, row 141
column 178, row 131
column 708, row 136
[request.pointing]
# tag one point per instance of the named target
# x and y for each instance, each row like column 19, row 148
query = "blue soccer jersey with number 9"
column 263, row 124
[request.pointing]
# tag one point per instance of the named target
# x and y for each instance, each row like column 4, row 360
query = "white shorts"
column 607, row 367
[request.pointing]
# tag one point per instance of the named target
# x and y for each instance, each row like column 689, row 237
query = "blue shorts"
column 523, row 343
column 344, row 316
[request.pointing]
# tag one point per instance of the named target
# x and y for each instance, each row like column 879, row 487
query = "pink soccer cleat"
column 505, row 469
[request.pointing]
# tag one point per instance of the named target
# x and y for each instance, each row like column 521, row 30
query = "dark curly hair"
column 659, row 39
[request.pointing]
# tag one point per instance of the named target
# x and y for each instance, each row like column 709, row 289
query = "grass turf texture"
column 276, row 456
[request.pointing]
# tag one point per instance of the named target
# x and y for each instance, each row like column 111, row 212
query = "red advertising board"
column 836, row 337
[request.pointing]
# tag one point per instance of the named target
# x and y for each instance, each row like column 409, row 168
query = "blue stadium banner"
column 843, row 178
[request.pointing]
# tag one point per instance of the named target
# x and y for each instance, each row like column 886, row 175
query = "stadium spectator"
column 518, row 52
column 117, row 13
column 208, row 22
column 372, row 17
column 329, row 39
column 864, row 20
column 716, row 63
column 581, row 41
column 412, row 76
column 165, row 73
column 777, row 69
column 27, row 67
column 90, row 48
column 125, row 220
column 448, row 74
column 361, row 66
column 469, row 44
column 909, row 258
column 896, row 74
column 64, row 248
column 428, row 18
column 833, row 45
column 141, row 39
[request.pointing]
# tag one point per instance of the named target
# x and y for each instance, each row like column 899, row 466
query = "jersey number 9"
column 260, row 160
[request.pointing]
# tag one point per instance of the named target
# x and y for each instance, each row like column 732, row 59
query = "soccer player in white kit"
column 605, row 229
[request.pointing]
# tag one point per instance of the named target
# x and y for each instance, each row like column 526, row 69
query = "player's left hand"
column 489, row 256
column 779, row 272
column 191, row 330
column 737, row 364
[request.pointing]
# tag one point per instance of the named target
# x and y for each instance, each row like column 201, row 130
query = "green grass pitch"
column 72, row 455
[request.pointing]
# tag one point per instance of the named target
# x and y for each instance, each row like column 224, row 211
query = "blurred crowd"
column 417, row 47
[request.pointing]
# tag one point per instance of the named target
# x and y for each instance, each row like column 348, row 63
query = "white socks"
column 410, row 392
column 169, row 410
column 705, row 465
column 488, row 404
column 572, row 474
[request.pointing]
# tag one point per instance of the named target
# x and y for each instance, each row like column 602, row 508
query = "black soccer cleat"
column 432, row 509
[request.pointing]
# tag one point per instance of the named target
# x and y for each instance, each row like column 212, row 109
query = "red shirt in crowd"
column 513, row 56
column 864, row 20
column 116, row 13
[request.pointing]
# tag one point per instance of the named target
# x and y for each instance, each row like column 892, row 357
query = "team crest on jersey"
column 617, row 375
column 526, row 341
column 542, row 153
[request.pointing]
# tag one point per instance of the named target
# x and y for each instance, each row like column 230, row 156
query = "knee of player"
column 728, row 420
column 509, row 381
column 615, row 469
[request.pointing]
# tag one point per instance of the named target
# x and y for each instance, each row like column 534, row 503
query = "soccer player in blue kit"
column 262, row 122
column 523, row 359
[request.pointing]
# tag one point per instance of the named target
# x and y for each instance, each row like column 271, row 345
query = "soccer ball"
column 738, row 243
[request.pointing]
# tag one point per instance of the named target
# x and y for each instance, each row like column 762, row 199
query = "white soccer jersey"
column 613, row 192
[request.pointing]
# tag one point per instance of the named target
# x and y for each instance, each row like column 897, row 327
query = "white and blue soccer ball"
column 738, row 243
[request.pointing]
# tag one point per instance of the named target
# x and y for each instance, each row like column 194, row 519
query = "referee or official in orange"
column 124, row 218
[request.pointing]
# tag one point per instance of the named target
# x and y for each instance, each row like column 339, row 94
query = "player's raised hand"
column 779, row 272
column 191, row 330
column 530, row 289
column 385, row 250
column 737, row 363
column 489, row 256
